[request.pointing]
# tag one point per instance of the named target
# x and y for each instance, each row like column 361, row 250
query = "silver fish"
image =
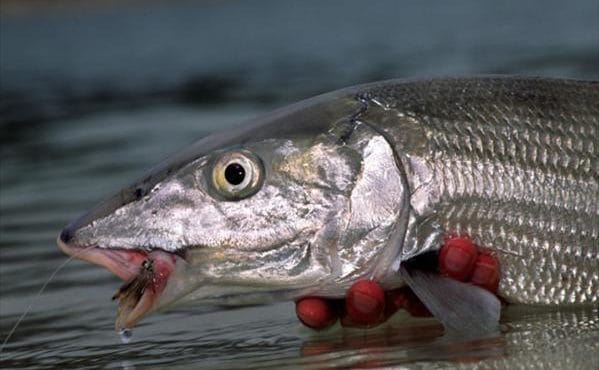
column 355, row 183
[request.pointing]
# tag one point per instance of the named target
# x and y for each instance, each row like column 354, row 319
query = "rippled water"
column 91, row 97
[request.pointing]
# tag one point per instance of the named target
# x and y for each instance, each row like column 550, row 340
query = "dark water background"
column 92, row 95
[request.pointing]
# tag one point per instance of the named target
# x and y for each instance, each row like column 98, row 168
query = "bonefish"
column 354, row 184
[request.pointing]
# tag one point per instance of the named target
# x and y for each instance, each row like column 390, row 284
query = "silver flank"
column 511, row 163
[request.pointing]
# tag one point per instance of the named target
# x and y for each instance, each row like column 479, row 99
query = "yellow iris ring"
column 252, row 181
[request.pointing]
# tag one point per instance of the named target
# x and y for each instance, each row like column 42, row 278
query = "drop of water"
column 125, row 335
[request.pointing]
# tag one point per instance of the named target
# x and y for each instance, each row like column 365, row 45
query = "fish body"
column 511, row 163
column 351, row 184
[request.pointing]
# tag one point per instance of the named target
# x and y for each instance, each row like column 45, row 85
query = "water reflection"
column 534, row 337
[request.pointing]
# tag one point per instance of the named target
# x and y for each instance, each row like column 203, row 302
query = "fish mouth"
column 146, row 274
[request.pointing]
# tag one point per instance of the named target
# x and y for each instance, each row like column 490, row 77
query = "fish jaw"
column 146, row 276
column 124, row 263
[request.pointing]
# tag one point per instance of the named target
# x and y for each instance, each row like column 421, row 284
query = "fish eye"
column 237, row 175
column 234, row 173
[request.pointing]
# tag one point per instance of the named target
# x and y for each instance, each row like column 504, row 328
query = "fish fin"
column 461, row 308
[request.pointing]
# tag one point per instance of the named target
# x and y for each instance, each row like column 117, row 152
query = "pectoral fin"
column 461, row 307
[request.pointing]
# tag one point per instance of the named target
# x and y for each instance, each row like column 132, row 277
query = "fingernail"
column 486, row 273
column 315, row 313
column 365, row 303
column 457, row 258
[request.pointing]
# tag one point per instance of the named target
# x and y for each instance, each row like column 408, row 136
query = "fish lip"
column 128, row 264
column 122, row 262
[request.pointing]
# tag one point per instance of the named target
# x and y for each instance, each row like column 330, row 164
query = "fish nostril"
column 66, row 235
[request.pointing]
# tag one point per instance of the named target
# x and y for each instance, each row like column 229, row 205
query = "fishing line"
column 37, row 296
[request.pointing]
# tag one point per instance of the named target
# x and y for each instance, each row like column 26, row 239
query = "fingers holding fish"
column 461, row 260
column 486, row 273
column 366, row 303
column 457, row 258
column 317, row 313
column 404, row 298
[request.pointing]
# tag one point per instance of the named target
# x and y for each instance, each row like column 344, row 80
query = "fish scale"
column 349, row 185
column 514, row 167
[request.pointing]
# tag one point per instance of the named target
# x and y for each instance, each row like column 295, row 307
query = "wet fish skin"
column 513, row 164
column 310, row 228
column 359, row 180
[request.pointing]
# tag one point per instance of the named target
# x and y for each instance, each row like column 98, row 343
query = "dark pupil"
column 234, row 173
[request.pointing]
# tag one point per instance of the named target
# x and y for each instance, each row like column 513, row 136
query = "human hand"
column 366, row 304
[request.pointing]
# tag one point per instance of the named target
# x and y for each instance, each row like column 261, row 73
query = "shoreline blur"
column 86, row 57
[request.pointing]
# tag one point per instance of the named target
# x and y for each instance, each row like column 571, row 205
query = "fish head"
column 302, row 201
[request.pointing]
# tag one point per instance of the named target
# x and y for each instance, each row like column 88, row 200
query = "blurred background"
column 65, row 58
column 92, row 93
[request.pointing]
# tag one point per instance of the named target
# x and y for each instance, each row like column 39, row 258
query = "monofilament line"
column 33, row 301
